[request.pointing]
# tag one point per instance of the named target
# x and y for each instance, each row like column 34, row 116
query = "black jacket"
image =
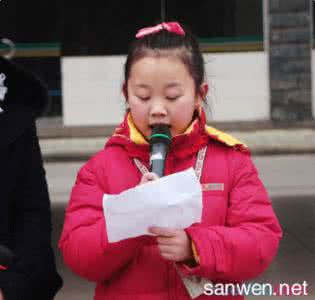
column 25, row 219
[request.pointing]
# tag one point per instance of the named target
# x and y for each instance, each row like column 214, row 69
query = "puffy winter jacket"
column 25, row 213
column 236, row 240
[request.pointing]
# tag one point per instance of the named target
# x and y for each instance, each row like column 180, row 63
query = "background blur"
column 79, row 47
column 47, row 34
column 259, row 61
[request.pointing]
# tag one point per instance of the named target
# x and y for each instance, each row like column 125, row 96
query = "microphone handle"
column 157, row 159
column 158, row 167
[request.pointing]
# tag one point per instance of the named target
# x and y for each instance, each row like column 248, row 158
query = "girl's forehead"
column 167, row 66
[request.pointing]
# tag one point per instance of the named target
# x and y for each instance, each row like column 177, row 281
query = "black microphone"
column 160, row 141
column 6, row 257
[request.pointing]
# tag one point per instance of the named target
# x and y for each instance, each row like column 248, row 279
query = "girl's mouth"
column 159, row 124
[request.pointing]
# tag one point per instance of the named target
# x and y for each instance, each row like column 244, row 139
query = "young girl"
column 239, row 233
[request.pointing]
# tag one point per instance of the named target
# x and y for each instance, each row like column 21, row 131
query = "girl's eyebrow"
column 169, row 85
column 173, row 84
column 142, row 85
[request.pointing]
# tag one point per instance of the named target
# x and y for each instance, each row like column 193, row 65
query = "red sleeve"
column 84, row 243
column 246, row 245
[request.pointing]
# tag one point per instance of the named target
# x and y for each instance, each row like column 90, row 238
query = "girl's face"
column 161, row 91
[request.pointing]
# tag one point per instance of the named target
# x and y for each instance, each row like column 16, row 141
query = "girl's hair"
column 165, row 43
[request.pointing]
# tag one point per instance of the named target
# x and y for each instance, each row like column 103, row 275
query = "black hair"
column 185, row 47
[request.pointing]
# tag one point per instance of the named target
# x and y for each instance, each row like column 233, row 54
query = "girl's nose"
column 158, row 109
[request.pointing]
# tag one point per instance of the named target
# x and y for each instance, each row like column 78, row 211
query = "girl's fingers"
column 148, row 177
column 165, row 240
column 173, row 253
column 169, row 256
column 175, row 241
column 163, row 232
column 166, row 249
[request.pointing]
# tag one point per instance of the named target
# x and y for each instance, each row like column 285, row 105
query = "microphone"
column 6, row 257
column 160, row 141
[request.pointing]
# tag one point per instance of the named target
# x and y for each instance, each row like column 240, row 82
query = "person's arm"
column 32, row 274
column 84, row 243
column 246, row 245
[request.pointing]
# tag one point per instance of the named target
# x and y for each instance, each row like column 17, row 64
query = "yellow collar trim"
column 224, row 137
column 192, row 124
column 190, row 127
column 135, row 135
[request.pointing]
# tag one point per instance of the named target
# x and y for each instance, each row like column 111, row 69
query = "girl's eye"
column 172, row 98
column 144, row 98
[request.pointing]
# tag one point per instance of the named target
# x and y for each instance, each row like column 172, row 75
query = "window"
column 43, row 31
column 106, row 27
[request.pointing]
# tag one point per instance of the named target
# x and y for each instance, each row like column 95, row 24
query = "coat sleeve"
column 246, row 245
column 32, row 274
column 84, row 243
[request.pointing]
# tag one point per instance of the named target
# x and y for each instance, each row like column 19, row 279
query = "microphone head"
column 161, row 134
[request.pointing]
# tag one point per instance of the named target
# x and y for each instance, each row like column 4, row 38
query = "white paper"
column 173, row 201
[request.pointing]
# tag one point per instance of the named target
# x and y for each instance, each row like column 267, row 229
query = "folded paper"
column 173, row 201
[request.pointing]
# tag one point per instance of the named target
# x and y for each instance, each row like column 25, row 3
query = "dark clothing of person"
column 25, row 216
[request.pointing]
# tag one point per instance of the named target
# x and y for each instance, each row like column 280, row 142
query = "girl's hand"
column 148, row 177
column 174, row 244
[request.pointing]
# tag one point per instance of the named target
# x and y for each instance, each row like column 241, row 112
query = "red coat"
column 236, row 240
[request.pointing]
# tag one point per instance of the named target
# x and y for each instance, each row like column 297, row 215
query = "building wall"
column 239, row 88
column 313, row 84
column 91, row 90
column 290, row 59
column 273, row 85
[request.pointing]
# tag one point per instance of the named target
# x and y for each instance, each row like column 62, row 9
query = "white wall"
column 239, row 88
column 313, row 82
column 92, row 90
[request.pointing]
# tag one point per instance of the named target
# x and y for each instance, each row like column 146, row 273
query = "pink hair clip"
column 170, row 27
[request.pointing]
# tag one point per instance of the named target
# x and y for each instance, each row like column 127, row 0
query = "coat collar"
column 188, row 143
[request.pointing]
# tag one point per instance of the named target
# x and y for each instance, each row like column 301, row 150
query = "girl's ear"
column 204, row 90
column 202, row 93
column 124, row 90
